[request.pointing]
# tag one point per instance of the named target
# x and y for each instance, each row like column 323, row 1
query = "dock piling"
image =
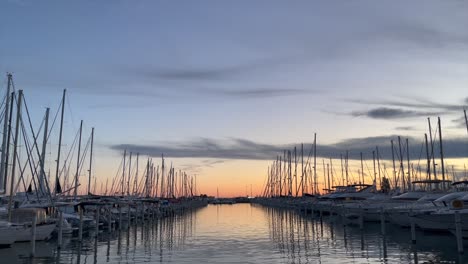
column 109, row 220
column 382, row 221
column 413, row 228
column 33, row 236
column 98, row 212
column 458, row 232
column 60, row 232
column 80, row 228
column 120, row 217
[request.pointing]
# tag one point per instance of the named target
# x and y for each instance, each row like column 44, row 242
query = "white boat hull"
column 8, row 236
column 43, row 232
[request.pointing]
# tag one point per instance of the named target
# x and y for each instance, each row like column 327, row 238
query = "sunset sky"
column 222, row 87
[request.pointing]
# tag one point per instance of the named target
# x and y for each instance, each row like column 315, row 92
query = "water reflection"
column 244, row 233
column 305, row 239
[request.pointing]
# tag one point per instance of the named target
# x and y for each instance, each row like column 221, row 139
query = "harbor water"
column 244, row 233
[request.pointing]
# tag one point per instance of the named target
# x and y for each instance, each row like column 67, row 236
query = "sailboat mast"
column 408, row 163
column 15, row 150
column 123, row 173
column 378, row 164
column 3, row 161
column 129, row 173
column 90, row 161
column 60, row 140
column 466, row 120
column 394, row 166
column 362, row 170
column 432, row 149
column 302, row 169
column 402, row 171
column 78, row 161
column 373, row 158
column 428, row 169
column 442, row 165
column 315, row 163
column 43, row 154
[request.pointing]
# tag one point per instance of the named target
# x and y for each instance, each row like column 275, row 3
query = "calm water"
column 244, row 233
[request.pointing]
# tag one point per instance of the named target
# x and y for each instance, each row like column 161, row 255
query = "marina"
column 233, row 131
column 245, row 233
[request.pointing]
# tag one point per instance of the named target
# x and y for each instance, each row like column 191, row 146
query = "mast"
column 442, row 165
column 295, row 171
column 362, row 170
column 432, row 149
column 330, row 186
column 342, row 168
column 466, row 120
column 15, row 150
column 393, row 163
column 409, row 168
column 162, row 176
column 378, row 164
column 315, row 163
column 123, row 172
column 78, row 161
column 346, row 167
column 402, row 171
column 324, row 176
column 3, row 161
column 60, row 139
column 375, row 174
column 129, row 173
column 302, row 169
column 43, row 154
column 91, row 161
column 135, row 185
column 428, row 169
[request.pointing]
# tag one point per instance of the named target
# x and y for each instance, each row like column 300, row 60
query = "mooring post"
column 60, row 232
column 98, row 212
column 33, row 235
column 382, row 221
column 413, row 228
column 109, row 220
column 361, row 219
column 129, row 216
column 458, row 232
column 120, row 217
column 80, row 228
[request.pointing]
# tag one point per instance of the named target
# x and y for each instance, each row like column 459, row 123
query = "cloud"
column 405, row 128
column 261, row 92
column 420, row 34
column 235, row 148
column 211, row 73
column 392, row 113
column 416, row 103
column 406, row 108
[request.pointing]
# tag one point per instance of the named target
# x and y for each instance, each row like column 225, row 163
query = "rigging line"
column 83, row 156
column 21, row 179
column 70, row 152
column 28, row 152
column 53, row 122
column 70, row 110
column 35, row 146
column 29, row 159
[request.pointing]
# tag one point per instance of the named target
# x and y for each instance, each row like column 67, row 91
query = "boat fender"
column 457, row 204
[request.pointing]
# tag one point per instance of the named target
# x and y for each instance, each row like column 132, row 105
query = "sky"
column 221, row 88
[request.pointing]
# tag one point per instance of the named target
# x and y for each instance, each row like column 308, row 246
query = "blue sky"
column 274, row 72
